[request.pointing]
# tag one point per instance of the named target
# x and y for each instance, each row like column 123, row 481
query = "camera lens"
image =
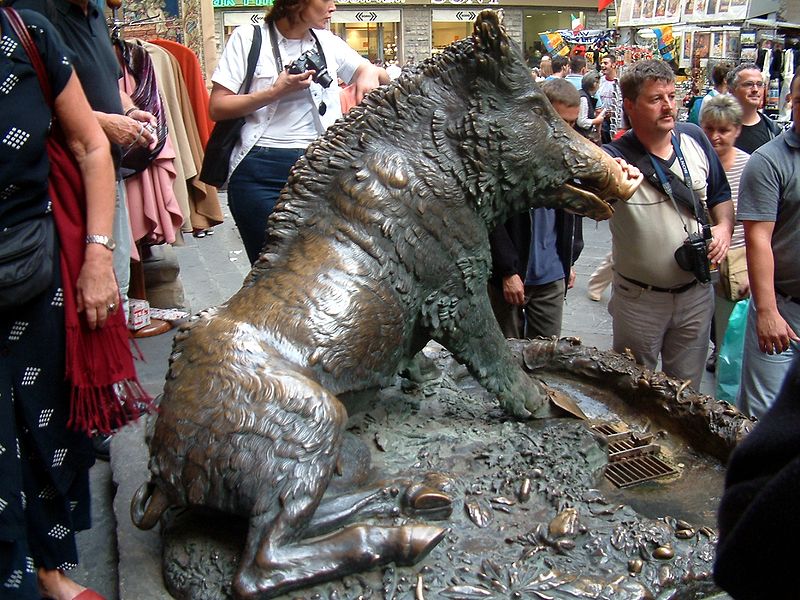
column 323, row 78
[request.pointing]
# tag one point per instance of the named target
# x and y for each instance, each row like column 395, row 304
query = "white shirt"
column 230, row 73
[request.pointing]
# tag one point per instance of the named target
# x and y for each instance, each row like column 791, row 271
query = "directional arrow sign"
column 256, row 18
column 465, row 15
column 366, row 15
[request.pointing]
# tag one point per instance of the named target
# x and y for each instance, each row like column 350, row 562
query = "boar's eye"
column 537, row 105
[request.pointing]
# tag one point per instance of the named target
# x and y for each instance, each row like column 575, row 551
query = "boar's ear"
column 492, row 50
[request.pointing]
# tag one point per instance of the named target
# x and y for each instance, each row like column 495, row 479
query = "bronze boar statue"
column 379, row 244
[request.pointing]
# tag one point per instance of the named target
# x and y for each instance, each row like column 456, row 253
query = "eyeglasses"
column 752, row 84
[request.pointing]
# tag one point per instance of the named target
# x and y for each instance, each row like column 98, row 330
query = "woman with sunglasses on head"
column 286, row 108
column 721, row 120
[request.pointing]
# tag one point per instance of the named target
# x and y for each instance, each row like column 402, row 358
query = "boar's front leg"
column 477, row 342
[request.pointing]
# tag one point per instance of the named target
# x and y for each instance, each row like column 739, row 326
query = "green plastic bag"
column 729, row 361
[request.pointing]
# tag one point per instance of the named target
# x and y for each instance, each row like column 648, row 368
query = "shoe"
column 88, row 594
column 595, row 297
column 102, row 451
column 711, row 363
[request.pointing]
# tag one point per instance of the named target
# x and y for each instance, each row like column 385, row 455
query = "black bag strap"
column 252, row 59
column 31, row 50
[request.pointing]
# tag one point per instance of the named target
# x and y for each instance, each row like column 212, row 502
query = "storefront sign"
column 234, row 19
column 239, row 3
column 451, row 15
column 652, row 12
column 714, row 10
column 366, row 16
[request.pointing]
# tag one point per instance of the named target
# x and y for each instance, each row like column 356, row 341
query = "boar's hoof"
column 419, row 541
column 425, row 501
column 422, row 369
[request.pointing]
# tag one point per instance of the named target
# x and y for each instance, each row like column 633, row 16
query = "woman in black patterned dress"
column 44, row 483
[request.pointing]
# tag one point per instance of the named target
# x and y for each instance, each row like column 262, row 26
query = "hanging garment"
column 184, row 164
column 145, row 96
column 204, row 208
column 195, row 85
column 154, row 211
column 785, row 112
column 766, row 64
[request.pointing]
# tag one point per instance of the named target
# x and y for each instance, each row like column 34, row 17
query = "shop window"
column 374, row 41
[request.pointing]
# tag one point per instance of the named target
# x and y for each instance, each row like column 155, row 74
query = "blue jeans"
column 763, row 374
column 253, row 191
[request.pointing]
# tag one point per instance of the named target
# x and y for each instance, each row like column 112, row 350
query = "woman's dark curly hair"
column 288, row 9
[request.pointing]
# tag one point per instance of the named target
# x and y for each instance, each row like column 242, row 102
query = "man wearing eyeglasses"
column 746, row 84
column 769, row 208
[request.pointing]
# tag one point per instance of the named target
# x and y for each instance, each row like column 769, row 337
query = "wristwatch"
column 103, row 240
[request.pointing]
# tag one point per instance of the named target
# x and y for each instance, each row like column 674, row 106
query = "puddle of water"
column 693, row 495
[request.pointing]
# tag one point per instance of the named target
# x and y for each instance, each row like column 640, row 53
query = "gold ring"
column 111, row 307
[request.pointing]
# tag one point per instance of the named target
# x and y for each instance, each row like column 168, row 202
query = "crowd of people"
column 722, row 196
column 715, row 198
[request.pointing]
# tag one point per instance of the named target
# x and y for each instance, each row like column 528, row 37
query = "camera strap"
column 687, row 179
column 273, row 36
column 276, row 53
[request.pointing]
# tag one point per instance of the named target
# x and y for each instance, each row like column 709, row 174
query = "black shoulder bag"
column 225, row 134
column 28, row 250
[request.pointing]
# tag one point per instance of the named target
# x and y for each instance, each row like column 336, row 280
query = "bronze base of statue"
column 531, row 510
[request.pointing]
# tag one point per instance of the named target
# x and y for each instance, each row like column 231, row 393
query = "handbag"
column 225, row 134
column 27, row 260
column 27, row 249
column 137, row 158
column 733, row 275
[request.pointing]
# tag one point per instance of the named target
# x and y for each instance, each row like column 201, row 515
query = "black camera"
column 692, row 256
column 310, row 60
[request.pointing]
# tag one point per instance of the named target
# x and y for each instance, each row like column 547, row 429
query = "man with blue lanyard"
column 662, row 300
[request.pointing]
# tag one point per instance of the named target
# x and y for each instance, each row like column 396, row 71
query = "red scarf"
column 99, row 367
column 106, row 393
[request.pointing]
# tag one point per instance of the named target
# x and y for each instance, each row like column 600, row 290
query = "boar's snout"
column 599, row 180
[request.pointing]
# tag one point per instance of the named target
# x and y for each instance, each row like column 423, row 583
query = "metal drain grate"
column 631, row 471
column 631, row 459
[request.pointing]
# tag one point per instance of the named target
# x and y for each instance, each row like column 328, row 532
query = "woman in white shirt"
column 283, row 112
